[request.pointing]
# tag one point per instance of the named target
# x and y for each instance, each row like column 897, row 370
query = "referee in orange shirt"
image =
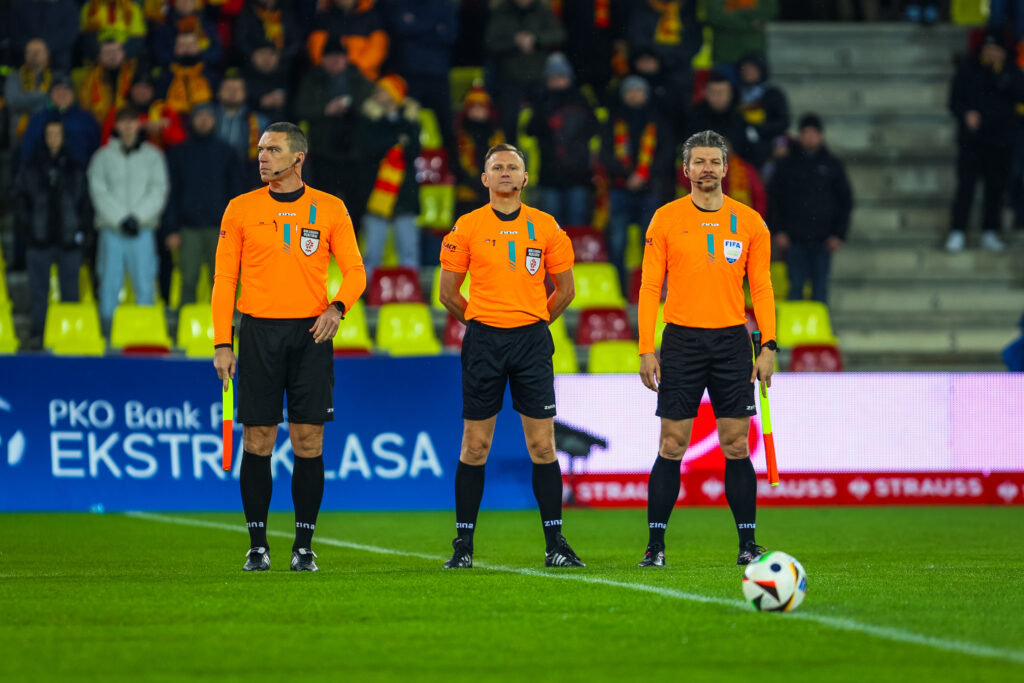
column 705, row 243
column 508, row 249
column 281, row 237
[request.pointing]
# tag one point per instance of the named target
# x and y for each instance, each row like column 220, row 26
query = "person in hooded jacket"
column 764, row 107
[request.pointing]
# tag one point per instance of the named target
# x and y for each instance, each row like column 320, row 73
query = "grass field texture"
column 894, row 594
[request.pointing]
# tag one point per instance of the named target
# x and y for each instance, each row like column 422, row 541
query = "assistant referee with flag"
column 281, row 238
column 705, row 244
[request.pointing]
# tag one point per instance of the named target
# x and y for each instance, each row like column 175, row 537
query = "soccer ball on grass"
column 775, row 582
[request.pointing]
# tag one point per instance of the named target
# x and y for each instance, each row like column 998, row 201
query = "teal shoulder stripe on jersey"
column 732, row 222
column 530, row 230
column 312, row 214
column 711, row 244
column 287, row 233
column 512, row 251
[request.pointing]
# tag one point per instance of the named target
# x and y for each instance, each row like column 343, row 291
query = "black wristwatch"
column 771, row 345
column 341, row 308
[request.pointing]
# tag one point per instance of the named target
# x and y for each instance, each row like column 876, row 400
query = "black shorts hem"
column 478, row 419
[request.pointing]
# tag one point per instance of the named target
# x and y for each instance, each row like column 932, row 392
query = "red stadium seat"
column 635, row 280
column 394, row 285
column 602, row 324
column 454, row 331
column 815, row 358
column 587, row 244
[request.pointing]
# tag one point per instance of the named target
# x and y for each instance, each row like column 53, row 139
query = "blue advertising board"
column 132, row 433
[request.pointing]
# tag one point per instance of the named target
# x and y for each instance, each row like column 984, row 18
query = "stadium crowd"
column 131, row 124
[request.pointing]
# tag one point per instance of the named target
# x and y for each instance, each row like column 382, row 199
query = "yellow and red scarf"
column 273, row 29
column 98, row 97
column 121, row 15
column 602, row 12
column 670, row 27
column 188, row 88
column 254, row 136
column 390, row 174
column 648, row 141
column 29, row 84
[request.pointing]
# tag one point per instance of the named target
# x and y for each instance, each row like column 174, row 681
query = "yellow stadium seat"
column 4, row 298
column 139, row 328
column 353, row 334
column 430, row 131
column 969, row 12
column 609, row 357
column 195, row 330
column 597, row 286
column 73, row 329
column 437, row 206
column 333, row 278
column 407, row 330
column 435, row 289
column 461, row 79
column 8, row 338
column 564, row 359
column 802, row 323
column 85, row 290
column 559, row 330
column 780, row 279
column 659, row 326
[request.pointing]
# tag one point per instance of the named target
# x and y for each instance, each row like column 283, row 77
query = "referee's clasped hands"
column 326, row 325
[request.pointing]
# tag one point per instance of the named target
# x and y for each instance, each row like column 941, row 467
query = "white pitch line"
column 882, row 632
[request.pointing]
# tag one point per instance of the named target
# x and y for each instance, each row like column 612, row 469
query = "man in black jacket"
column 718, row 112
column 205, row 173
column 810, row 201
column 52, row 208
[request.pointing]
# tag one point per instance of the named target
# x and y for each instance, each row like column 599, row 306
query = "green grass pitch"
column 895, row 594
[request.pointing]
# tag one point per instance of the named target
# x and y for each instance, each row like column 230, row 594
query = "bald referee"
column 508, row 249
column 281, row 238
column 705, row 243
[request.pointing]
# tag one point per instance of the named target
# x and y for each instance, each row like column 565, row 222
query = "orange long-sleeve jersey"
column 283, row 249
column 507, row 262
column 705, row 255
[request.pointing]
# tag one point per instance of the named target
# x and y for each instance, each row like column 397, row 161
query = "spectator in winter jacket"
column 266, row 82
column 984, row 93
column 389, row 139
column 128, row 187
column 51, row 210
column 160, row 123
column 764, row 108
column 669, row 29
column 55, row 22
column 81, row 132
column 563, row 124
column 239, row 126
column 592, row 28
column 204, row 172
column 811, row 201
column 636, row 151
column 27, row 89
column 187, row 81
column 329, row 100
column 185, row 16
column 739, row 27
column 266, row 22
column 106, row 85
column 359, row 27
column 424, row 33
column 519, row 36
column 718, row 112
column 477, row 131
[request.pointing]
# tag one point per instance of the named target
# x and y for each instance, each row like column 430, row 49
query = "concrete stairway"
column 898, row 301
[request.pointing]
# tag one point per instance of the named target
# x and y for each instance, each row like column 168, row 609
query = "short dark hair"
column 504, row 147
column 811, row 120
column 126, row 112
column 296, row 138
column 705, row 138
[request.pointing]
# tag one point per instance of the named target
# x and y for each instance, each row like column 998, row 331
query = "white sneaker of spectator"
column 990, row 241
column 955, row 241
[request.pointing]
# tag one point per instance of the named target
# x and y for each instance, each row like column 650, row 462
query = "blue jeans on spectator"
column 626, row 208
column 117, row 253
column 568, row 205
column 407, row 240
column 38, row 261
column 808, row 260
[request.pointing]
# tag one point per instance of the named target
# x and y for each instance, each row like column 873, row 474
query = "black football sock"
column 469, row 489
column 741, row 492
column 547, row 489
column 307, row 494
column 662, row 492
column 256, row 483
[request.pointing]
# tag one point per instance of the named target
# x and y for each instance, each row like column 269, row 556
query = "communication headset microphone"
column 285, row 170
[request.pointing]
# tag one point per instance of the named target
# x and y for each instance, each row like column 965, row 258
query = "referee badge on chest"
column 310, row 241
column 732, row 250
column 533, row 260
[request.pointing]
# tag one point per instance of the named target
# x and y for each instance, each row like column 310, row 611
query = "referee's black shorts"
column 278, row 356
column 694, row 359
column 519, row 355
